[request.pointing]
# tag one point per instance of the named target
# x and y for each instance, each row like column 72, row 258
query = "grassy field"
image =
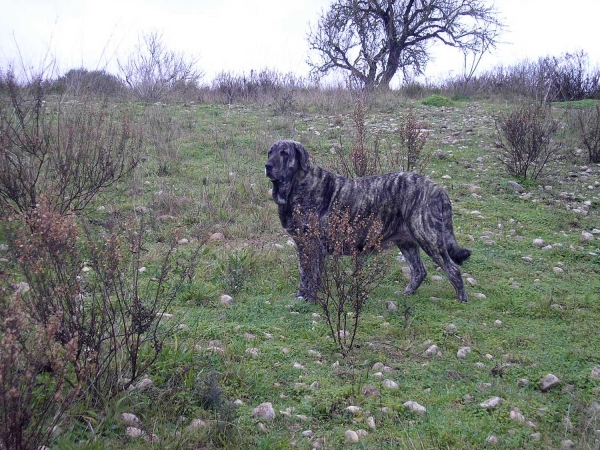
column 533, row 310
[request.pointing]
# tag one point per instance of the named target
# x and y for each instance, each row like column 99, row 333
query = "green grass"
column 549, row 320
column 437, row 100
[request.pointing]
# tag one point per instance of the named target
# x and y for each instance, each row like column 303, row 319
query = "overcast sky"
column 240, row 35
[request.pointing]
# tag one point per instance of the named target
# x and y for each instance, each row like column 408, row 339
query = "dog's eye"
column 283, row 153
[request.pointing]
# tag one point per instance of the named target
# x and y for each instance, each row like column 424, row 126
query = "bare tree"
column 373, row 39
column 152, row 70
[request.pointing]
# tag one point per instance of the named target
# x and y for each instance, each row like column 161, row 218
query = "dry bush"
column 153, row 72
column 412, row 135
column 588, row 129
column 68, row 152
column 37, row 384
column 352, row 268
column 362, row 160
column 162, row 132
column 525, row 140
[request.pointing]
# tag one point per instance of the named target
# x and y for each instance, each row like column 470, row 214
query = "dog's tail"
column 457, row 253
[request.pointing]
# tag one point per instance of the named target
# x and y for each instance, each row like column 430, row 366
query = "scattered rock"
column 538, row 242
column 433, row 350
column 354, row 409
column 131, row 420
column 264, row 411
column 415, row 407
column 134, row 432
column 548, row 382
column 252, row 352
column 144, row 383
column 491, row 439
column 308, row 433
column 370, row 391
column 216, row 237
column 586, row 237
column 298, row 366
column 391, row 306
column 389, row 384
column 371, row 422
column 596, row 373
column 196, row 424
column 567, row 444
column 471, row 281
column 523, row 382
column 183, row 241
column 516, row 187
column 491, row 403
column 142, row 209
column 479, row 295
column 226, row 300
column 516, row 415
column 535, row 436
column 351, row 436
column 463, row 352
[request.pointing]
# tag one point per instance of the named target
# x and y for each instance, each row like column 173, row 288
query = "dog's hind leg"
column 411, row 253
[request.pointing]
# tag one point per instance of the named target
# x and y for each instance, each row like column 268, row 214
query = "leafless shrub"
column 36, row 382
column 412, row 135
column 588, row 128
column 362, row 160
column 154, row 72
column 68, row 151
column 525, row 140
column 103, row 296
column 352, row 269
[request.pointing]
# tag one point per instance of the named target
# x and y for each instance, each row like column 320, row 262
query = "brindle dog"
column 414, row 212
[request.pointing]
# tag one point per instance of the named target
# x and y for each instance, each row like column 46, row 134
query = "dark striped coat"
column 414, row 213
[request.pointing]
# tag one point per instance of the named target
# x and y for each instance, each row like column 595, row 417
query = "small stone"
column 298, row 366
column 479, row 296
column 473, row 188
column 437, row 278
column 391, row 306
column 351, row 436
column 216, row 237
column 183, row 241
column 377, row 366
column 586, row 237
column 451, row 327
column 538, row 242
column 567, row 444
column 415, row 407
column 144, row 383
column 535, row 436
column 515, row 414
column 370, row 391
column 446, row 177
column 596, row 373
column 498, row 322
column 433, row 350
column 262, row 428
column 548, row 382
column 389, row 384
column 491, row 403
column 523, row 382
column 491, row 439
column 226, row 300
column 406, row 272
column 557, row 270
column 547, row 247
column 463, row 352
column 134, row 432
column 371, row 422
column 131, row 420
column 252, row 352
column 516, row 186
column 264, row 411
column 196, row 424
column 354, row 409
column 471, row 281
column 308, row 433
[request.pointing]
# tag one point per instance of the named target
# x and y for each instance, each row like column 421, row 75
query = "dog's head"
column 286, row 158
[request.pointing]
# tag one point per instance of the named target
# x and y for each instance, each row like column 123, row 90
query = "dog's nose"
column 268, row 167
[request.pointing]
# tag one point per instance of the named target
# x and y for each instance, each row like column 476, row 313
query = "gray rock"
column 516, row 186
column 264, row 411
column 351, row 436
column 415, row 407
column 463, row 352
column 596, row 373
column 548, row 382
column 491, row 403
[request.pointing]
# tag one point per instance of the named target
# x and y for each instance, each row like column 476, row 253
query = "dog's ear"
column 302, row 156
